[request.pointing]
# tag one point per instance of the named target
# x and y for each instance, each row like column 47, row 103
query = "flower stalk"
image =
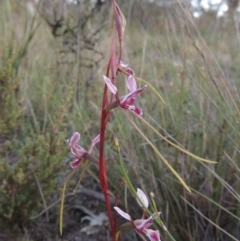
column 109, row 103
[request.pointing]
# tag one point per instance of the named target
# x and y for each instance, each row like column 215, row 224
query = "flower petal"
column 131, row 83
column 75, row 163
column 96, row 140
column 135, row 110
column 125, row 68
column 74, row 139
column 123, row 65
column 78, row 151
column 123, row 214
column 142, row 224
column 131, row 95
column 143, row 198
column 110, row 85
column 153, row 235
column 129, row 71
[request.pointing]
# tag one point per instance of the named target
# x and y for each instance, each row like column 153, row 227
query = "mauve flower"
column 142, row 225
column 79, row 152
column 127, row 101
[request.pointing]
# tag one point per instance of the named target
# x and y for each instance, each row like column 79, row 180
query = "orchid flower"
column 142, row 225
column 79, row 152
column 125, row 69
column 126, row 101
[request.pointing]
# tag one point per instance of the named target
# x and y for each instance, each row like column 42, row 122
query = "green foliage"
column 29, row 160
column 10, row 107
column 28, row 174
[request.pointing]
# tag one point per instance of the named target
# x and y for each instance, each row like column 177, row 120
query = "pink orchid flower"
column 78, row 152
column 124, row 68
column 142, row 225
column 126, row 101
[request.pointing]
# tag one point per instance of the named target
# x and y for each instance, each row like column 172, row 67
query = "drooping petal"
column 122, row 213
column 74, row 139
column 129, row 71
column 153, row 235
column 135, row 110
column 131, row 83
column 110, row 85
column 124, row 67
column 75, row 163
column 142, row 224
column 143, row 198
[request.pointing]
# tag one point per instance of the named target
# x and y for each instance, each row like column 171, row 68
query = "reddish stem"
column 105, row 117
column 103, row 172
column 102, row 164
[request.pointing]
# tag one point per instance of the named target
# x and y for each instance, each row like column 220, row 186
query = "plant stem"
column 103, row 171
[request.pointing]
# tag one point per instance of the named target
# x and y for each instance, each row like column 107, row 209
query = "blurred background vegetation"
column 52, row 58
